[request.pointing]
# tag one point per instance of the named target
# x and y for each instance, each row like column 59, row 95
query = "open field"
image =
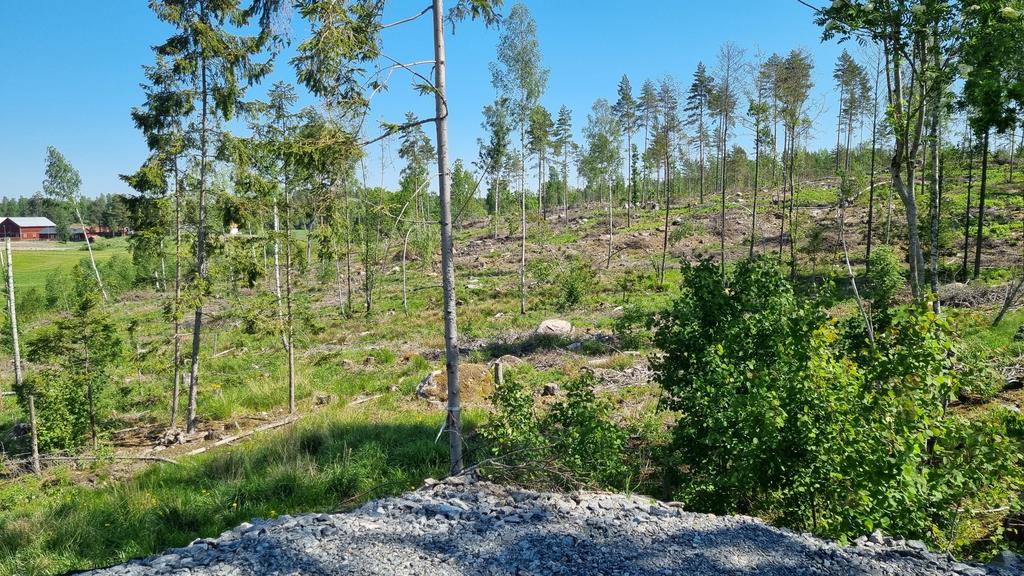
column 36, row 260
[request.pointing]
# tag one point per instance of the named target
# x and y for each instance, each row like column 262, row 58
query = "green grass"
column 31, row 267
column 329, row 461
column 340, row 455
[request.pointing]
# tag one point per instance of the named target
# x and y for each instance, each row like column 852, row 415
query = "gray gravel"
column 467, row 527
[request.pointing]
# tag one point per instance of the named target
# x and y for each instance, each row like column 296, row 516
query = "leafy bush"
column 78, row 353
column 575, row 281
column 632, row 328
column 575, row 441
column 60, row 290
column 885, row 278
column 776, row 418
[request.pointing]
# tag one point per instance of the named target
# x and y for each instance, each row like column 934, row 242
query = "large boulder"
column 555, row 326
column 475, row 383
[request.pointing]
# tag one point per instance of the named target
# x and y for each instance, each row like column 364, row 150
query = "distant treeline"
column 109, row 210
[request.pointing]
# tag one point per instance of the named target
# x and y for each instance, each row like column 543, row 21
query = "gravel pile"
column 465, row 527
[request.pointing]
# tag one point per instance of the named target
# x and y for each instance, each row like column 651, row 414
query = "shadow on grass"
column 321, row 465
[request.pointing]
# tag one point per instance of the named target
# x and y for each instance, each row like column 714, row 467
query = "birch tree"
column 63, row 183
column 519, row 75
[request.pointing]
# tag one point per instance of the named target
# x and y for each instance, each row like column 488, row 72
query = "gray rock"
column 464, row 526
column 555, row 326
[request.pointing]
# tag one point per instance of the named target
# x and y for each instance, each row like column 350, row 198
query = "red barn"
column 28, row 228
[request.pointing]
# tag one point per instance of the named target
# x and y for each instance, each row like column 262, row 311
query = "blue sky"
column 72, row 68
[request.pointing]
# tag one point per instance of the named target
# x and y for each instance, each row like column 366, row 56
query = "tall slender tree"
column 562, row 149
column 625, row 110
column 161, row 120
column 63, row 183
column 697, row 100
column 730, row 67
column 648, row 108
column 216, row 64
column 519, row 75
column 494, row 154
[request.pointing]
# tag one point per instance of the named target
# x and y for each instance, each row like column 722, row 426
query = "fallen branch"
column 364, row 400
column 246, row 434
column 96, row 458
column 223, row 352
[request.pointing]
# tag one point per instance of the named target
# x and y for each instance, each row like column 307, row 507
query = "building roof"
column 31, row 221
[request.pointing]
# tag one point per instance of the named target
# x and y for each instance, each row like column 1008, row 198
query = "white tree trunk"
column 92, row 259
column 15, row 342
column 451, row 338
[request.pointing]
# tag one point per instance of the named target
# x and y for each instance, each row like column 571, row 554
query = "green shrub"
column 575, row 280
column 30, row 303
column 60, row 291
column 632, row 328
column 575, row 442
column 78, row 353
column 885, row 278
column 778, row 419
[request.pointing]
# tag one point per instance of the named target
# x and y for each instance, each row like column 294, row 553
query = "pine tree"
column 696, row 108
column 216, row 64
column 563, row 148
column 625, row 110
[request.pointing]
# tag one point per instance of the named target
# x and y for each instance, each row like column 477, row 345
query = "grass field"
column 33, row 265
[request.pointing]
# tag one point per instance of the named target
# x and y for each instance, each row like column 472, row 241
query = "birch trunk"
column 451, row 339
column 92, row 259
column 34, row 433
column 15, row 342
column 611, row 228
column 175, row 306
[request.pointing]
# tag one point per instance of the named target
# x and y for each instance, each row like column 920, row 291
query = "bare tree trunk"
column 348, row 253
column 981, row 207
column 839, row 124
column 871, row 185
column 757, row 166
column 522, row 245
column 853, row 277
column 725, row 143
column 15, row 342
column 175, row 307
column 1013, row 140
column 290, row 318
column 201, row 267
column 934, row 200
column 967, row 210
column 451, row 339
column 405, row 292
column 565, row 185
column 785, row 188
column 34, row 433
column 611, row 228
column 700, row 149
column 629, row 179
column 92, row 259
column 668, row 202
column 497, row 203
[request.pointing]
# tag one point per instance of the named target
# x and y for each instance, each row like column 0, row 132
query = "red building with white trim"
column 28, row 228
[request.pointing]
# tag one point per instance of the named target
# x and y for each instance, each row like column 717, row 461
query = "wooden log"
column 35, row 436
column 246, row 434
